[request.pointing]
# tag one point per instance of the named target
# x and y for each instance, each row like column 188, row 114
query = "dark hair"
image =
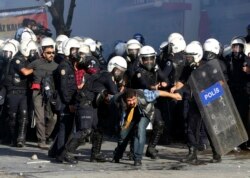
column 129, row 93
column 45, row 47
column 27, row 22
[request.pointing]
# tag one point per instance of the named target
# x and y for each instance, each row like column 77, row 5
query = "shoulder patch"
column 63, row 72
column 168, row 63
column 18, row 61
column 139, row 75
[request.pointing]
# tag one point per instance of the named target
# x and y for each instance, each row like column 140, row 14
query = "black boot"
column 73, row 143
column 53, row 149
column 216, row 158
column 22, row 129
column 67, row 157
column 12, row 129
column 96, row 155
column 191, row 157
column 155, row 137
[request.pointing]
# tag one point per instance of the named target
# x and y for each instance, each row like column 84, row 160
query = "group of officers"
column 69, row 87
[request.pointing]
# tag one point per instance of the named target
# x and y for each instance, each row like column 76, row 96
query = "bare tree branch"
column 70, row 14
column 57, row 13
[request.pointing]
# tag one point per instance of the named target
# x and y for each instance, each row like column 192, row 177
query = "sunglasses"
column 49, row 52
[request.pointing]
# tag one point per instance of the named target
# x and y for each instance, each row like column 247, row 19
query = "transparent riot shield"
column 217, row 107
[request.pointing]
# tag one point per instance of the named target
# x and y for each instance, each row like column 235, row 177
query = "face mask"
column 148, row 62
column 118, row 74
column 33, row 55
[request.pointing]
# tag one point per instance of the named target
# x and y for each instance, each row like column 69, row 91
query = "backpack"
column 48, row 89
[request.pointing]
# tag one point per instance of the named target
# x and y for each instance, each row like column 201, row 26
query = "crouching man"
column 137, row 108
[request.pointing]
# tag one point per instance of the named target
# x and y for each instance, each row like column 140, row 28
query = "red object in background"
column 11, row 19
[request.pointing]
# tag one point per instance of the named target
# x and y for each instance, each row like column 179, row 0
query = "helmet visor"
column 236, row 48
column 7, row 54
column 148, row 62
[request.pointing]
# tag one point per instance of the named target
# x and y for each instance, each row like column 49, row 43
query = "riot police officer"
column 97, row 85
column 17, row 88
column 149, row 76
column 96, row 51
column 238, row 78
column 59, row 45
column 132, row 50
column 194, row 54
column 67, row 89
column 172, row 62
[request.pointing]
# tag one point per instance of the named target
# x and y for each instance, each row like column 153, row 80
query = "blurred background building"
column 112, row 20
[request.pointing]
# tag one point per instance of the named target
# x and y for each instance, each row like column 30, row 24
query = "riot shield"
column 217, row 107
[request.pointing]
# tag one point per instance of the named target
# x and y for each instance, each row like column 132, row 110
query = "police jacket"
column 66, row 82
column 15, row 80
column 95, row 84
column 237, row 78
column 4, row 69
column 144, row 79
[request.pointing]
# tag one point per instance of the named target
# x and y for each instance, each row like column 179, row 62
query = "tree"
column 56, row 9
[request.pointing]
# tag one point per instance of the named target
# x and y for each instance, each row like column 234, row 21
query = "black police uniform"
column 172, row 66
column 195, row 129
column 17, row 88
column 4, row 68
column 88, row 120
column 66, row 87
column 144, row 79
column 238, row 82
column 131, row 69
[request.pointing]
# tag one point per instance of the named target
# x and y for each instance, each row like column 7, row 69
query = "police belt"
column 18, row 92
column 85, row 103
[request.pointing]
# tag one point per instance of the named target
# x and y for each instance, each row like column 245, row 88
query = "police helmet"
column 26, row 46
column 212, row 45
column 177, row 44
column 68, row 44
column 147, row 57
column 117, row 62
column 91, row 43
column 47, row 41
column 59, row 41
column 174, row 35
column 194, row 50
column 10, row 48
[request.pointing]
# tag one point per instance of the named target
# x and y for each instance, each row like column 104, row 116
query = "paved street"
column 16, row 162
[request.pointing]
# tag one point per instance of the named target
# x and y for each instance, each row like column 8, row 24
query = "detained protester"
column 137, row 111
column 43, row 88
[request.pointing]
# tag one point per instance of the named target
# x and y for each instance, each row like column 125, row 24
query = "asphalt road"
column 17, row 162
